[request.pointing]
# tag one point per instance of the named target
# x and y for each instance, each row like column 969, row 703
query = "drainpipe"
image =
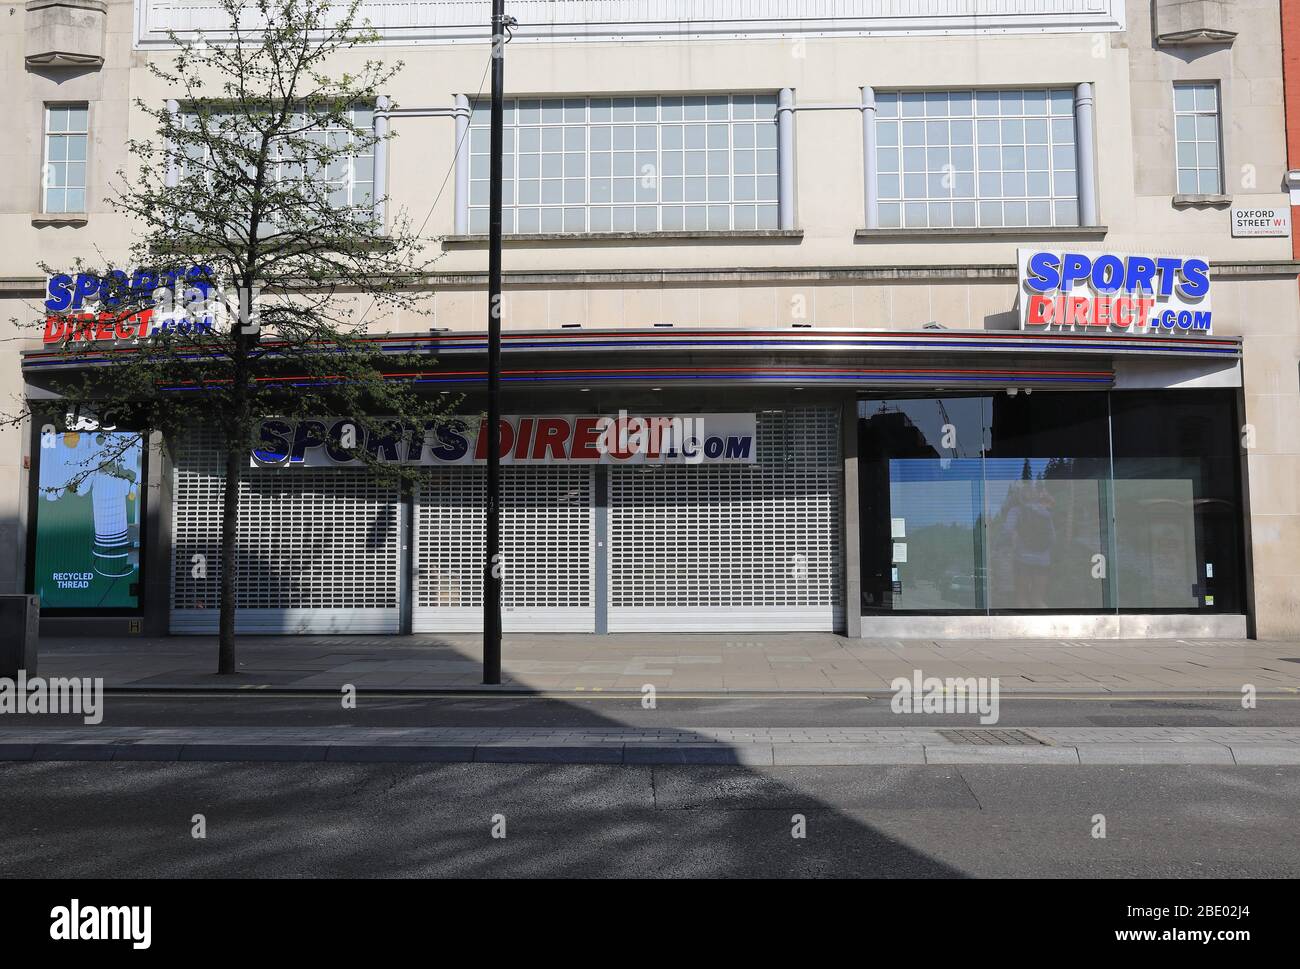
column 785, row 157
column 1085, row 142
column 462, row 165
column 381, row 158
column 871, row 183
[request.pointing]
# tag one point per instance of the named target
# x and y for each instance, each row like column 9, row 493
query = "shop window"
column 63, row 180
column 966, row 159
column 1051, row 503
column 1178, row 507
column 1047, row 477
column 1197, row 139
column 922, row 494
column 629, row 164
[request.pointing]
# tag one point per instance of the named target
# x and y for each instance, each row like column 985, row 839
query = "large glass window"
column 1047, row 474
column 348, row 175
column 1196, row 135
column 625, row 164
column 952, row 159
column 922, row 488
column 1050, row 502
column 1178, row 500
column 64, row 177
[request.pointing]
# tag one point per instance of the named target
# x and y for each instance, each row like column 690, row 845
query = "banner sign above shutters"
column 564, row 439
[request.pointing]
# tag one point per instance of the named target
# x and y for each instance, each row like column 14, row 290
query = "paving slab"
column 845, row 755
column 955, row 754
column 1266, row 754
column 1155, row 753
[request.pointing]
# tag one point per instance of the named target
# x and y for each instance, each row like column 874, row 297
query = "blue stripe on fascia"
column 794, row 378
column 854, row 344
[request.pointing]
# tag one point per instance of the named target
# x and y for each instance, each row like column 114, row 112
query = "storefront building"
column 963, row 327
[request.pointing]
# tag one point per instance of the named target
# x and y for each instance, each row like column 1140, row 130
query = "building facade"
column 973, row 318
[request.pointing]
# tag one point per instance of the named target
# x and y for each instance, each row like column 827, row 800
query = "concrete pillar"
column 852, row 546
column 785, row 157
column 1085, row 145
column 462, row 165
column 870, row 181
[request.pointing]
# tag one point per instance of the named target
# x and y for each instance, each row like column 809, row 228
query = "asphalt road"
column 82, row 820
column 255, row 708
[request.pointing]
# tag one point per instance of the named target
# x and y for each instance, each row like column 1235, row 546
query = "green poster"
column 88, row 530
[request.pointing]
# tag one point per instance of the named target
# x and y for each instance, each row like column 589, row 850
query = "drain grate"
column 990, row 737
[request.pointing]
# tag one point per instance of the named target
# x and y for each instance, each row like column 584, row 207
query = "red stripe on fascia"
column 715, row 370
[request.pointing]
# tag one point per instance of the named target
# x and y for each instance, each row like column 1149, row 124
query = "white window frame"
column 650, row 212
column 283, row 164
column 46, row 164
column 1063, row 206
column 1196, row 113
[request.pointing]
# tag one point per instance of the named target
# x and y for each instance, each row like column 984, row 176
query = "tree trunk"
column 229, row 530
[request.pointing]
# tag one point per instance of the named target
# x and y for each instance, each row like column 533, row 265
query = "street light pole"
column 492, row 559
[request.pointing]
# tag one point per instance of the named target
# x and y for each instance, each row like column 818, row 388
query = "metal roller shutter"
column 733, row 547
column 547, row 545
column 318, row 551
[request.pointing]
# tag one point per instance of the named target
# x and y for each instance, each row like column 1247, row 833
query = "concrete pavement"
column 678, row 663
column 756, row 746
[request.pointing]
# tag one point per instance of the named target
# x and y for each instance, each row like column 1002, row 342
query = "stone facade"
column 826, row 273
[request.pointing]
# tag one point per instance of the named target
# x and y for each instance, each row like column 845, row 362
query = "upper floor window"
column 63, row 181
column 630, row 164
column 348, row 176
column 967, row 159
column 1196, row 134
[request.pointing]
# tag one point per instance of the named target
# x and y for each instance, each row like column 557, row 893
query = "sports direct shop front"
column 610, row 522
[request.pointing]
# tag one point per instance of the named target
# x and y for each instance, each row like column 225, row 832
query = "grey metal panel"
column 318, row 550
column 548, row 549
column 755, row 546
column 1138, row 374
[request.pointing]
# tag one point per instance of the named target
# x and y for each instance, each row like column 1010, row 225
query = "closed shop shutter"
column 733, row 547
column 547, row 546
column 318, row 550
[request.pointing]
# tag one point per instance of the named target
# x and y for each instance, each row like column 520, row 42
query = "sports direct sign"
column 567, row 439
column 88, row 308
column 1113, row 293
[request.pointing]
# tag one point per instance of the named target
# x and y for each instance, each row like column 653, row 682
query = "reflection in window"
column 1044, row 533
column 922, row 504
column 1178, row 500
column 1014, row 504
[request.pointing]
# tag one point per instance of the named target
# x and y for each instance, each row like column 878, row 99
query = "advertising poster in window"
column 88, row 520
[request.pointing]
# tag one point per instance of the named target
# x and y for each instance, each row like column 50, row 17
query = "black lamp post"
column 492, row 564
